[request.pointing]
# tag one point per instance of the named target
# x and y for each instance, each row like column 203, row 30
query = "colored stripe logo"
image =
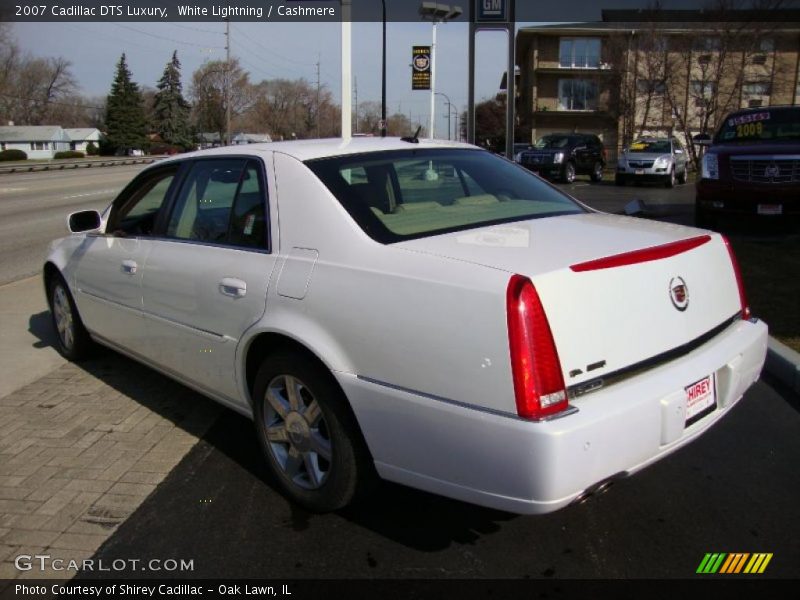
column 734, row 563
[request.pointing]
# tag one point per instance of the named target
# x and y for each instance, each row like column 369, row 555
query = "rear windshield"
column 651, row 146
column 407, row 194
column 765, row 125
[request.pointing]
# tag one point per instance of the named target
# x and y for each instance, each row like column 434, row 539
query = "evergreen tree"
column 125, row 120
column 171, row 109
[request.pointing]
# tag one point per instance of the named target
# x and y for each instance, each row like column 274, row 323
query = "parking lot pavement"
column 675, row 205
column 81, row 448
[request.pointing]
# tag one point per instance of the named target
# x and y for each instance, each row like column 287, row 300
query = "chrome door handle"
column 236, row 288
column 129, row 266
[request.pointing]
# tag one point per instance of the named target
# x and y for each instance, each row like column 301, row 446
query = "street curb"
column 783, row 363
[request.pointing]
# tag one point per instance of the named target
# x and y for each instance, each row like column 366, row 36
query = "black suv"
column 562, row 156
column 752, row 166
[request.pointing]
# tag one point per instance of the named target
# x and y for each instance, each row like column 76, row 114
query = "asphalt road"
column 34, row 207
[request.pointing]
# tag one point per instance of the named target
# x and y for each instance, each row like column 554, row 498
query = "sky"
column 285, row 50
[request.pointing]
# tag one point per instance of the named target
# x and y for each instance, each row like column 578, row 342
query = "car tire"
column 73, row 341
column 684, row 176
column 619, row 180
column 703, row 218
column 669, row 180
column 310, row 438
column 597, row 172
column 568, row 172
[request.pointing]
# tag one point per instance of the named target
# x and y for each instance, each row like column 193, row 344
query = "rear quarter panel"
column 428, row 324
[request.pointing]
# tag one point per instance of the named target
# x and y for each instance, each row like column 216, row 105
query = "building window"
column 577, row 94
column 760, row 59
column 656, row 87
column 766, row 45
column 38, row 146
column 579, row 53
column 756, row 89
column 755, row 102
column 707, row 44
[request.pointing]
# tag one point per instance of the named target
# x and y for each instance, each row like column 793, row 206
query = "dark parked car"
column 562, row 156
column 752, row 165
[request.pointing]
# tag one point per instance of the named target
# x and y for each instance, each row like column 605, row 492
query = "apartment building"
column 636, row 74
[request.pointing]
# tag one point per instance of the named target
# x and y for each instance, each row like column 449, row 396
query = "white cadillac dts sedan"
column 425, row 312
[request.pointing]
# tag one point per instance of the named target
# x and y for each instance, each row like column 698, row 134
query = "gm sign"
column 491, row 10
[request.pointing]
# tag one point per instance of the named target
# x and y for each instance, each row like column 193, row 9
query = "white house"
column 79, row 138
column 37, row 141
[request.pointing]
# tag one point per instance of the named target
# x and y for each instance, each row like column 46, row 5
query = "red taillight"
column 538, row 381
column 739, row 283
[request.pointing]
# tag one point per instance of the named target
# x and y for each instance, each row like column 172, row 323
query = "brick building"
column 651, row 74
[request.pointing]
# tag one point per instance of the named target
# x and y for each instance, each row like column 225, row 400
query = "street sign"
column 491, row 11
column 421, row 68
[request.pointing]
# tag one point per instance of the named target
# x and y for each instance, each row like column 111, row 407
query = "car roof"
column 322, row 148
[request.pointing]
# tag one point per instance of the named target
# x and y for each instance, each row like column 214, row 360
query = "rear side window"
column 408, row 194
column 221, row 202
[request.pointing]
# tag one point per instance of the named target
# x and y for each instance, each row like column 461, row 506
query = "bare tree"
column 215, row 86
column 705, row 73
column 30, row 87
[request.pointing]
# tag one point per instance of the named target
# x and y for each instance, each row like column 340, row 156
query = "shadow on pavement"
column 41, row 326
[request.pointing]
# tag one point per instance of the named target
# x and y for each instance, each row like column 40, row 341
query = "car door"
column 109, row 266
column 206, row 279
column 583, row 155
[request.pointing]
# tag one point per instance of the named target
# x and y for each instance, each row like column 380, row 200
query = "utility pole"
column 227, row 82
column 317, row 94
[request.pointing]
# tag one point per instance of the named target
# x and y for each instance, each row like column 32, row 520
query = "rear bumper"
column 744, row 198
column 510, row 464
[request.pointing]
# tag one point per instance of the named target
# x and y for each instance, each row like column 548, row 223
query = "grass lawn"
column 771, row 272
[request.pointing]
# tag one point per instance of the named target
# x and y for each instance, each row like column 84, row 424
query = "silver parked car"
column 653, row 159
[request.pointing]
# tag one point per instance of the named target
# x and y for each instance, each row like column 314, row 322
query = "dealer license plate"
column 770, row 209
column 701, row 399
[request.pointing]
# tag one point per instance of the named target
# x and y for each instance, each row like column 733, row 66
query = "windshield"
column 660, row 146
column 762, row 126
column 407, row 194
column 553, row 141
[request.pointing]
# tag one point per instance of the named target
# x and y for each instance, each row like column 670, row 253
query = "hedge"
column 69, row 154
column 13, row 155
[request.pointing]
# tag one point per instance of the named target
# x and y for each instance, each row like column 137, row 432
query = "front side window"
column 407, row 194
column 577, row 94
column 135, row 213
column 221, row 202
column 579, row 53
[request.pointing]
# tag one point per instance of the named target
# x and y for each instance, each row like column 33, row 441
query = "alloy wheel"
column 297, row 434
column 62, row 310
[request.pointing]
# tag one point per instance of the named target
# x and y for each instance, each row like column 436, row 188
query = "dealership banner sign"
column 421, row 68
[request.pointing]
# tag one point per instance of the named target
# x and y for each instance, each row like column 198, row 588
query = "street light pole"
column 227, row 82
column 433, row 80
column 449, row 104
column 437, row 13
